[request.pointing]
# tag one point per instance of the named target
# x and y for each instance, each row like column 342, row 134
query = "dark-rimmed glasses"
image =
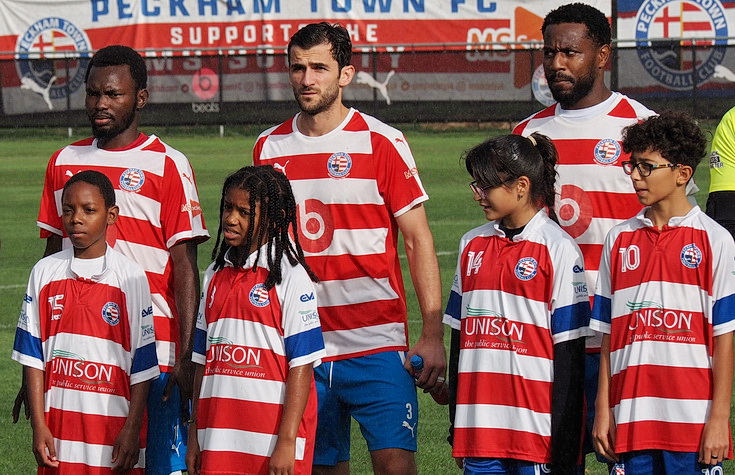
column 480, row 190
column 644, row 168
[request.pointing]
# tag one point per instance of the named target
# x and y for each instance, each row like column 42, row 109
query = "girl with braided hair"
column 258, row 337
column 519, row 313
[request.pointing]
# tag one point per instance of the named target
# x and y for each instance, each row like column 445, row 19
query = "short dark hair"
column 97, row 179
column 117, row 55
column 598, row 28
column 673, row 134
column 316, row 34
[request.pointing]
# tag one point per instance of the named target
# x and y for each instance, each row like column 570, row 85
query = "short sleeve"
column 302, row 330
column 200, row 331
column 28, row 347
column 601, row 307
column 49, row 213
column 570, row 305
column 143, row 341
column 453, row 311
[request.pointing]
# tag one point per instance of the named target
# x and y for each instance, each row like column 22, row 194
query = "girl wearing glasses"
column 519, row 311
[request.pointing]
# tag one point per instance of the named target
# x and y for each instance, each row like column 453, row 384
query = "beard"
column 116, row 127
column 324, row 102
column 580, row 88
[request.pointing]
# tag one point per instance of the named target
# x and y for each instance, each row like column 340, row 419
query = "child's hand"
column 460, row 462
column 715, row 441
column 282, row 459
column 193, row 451
column 126, row 450
column 603, row 434
column 43, row 447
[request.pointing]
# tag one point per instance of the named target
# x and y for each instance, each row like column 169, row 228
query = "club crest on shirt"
column 111, row 313
column 691, row 256
column 259, row 295
column 132, row 179
column 607, row 151
column 339, row 164
column 526, row 268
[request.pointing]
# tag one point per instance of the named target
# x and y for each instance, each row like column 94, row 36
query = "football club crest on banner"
column 40, row 57
column 670, row 62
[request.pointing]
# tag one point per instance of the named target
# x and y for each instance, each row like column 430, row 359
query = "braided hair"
column 502, row 160
column 272, row 190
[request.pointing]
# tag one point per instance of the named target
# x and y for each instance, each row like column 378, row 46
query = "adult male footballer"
column 357, row 188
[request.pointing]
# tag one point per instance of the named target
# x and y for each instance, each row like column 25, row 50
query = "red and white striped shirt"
column 159, row 207
column 93, row 338
column 247, row 338
column 350, row 185
column 593, row 192
column 513, row 301
column 663, row 295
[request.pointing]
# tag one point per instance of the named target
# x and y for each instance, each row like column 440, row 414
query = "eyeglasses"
column 480, row 190
column 644, row 168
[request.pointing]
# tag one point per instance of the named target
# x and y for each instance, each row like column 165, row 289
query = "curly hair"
column 504, row 159
column 673, row 134
column 598, row 28
column 316, row 34
column 272, row 191
column 117, row 55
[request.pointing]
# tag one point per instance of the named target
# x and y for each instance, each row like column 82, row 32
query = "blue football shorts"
column 665, row 462
column 495, row 466
column 165, row 451
column 378, row 392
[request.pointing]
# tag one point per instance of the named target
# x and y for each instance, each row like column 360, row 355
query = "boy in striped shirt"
column 85, row 338
column 665, row 301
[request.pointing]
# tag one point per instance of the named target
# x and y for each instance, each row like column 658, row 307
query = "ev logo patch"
column 259, row 295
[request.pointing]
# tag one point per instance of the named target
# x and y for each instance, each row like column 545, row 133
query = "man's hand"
column 182, row 376
column 431, row 349
column 126, row 449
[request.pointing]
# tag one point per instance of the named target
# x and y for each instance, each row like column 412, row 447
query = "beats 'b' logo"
column 316, row 226
column 574, row 210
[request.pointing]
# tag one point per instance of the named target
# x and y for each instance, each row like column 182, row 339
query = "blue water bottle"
column 441, row 394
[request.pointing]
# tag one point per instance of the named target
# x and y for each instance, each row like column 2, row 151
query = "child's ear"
column 685, row 174
column 112, row 213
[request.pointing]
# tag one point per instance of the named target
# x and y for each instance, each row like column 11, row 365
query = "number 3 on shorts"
column 409, row 411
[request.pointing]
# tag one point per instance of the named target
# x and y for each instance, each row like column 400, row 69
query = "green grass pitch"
column 451, row 211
